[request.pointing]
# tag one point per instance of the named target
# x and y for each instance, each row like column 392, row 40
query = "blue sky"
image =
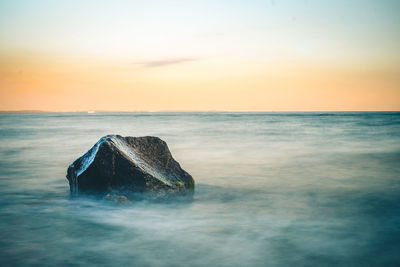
column 200, row 28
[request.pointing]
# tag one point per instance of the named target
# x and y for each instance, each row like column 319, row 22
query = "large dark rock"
column 132, row 167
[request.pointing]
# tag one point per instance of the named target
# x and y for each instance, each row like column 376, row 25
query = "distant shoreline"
column 191, row 111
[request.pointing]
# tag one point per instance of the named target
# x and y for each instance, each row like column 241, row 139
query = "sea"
column 272, row 189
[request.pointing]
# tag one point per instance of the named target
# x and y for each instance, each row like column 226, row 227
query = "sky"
column 275, row 55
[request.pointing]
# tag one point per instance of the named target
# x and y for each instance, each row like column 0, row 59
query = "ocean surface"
column 272, row 189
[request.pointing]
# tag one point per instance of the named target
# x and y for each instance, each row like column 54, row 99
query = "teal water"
column 272, row 189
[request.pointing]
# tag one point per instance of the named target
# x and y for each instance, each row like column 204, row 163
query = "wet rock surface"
column 133, row 167
column 117, row 199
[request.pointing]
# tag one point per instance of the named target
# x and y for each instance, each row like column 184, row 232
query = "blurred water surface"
column 272, row 189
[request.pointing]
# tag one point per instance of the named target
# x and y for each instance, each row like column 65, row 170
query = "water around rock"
column 129, row 168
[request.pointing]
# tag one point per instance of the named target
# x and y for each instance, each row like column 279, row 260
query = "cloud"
column 166, row 62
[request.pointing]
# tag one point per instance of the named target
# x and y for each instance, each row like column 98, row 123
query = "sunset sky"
column 199, row 55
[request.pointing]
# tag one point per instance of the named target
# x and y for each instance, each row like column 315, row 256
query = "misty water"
column 272, row 189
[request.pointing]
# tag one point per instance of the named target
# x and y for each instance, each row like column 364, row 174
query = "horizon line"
column 183, row 111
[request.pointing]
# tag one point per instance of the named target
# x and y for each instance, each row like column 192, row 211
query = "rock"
column 132, row 167
column 117, row 199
